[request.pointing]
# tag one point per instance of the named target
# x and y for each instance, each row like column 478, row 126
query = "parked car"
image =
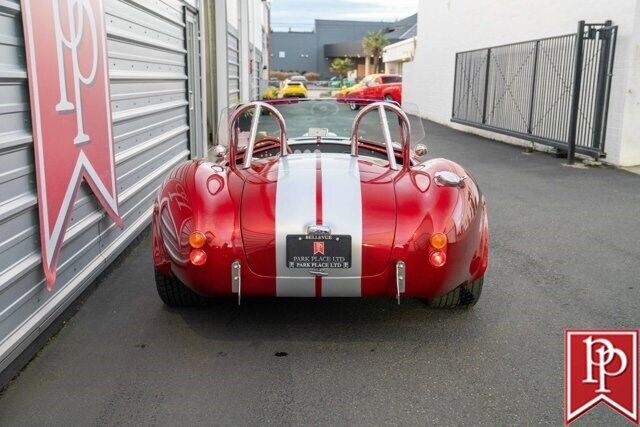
column 292, row 203
column 293, row 89
column 340, row 83
column 342, row 93
column 301, row 79
column 378, row 87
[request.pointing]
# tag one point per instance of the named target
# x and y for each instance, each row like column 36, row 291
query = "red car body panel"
column 378, row 90
column 238, row 211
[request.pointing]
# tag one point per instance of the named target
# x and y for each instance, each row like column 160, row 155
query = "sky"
column 300, row 14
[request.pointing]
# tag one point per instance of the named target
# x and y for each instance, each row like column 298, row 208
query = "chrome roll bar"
column 257, row 106
column 405, row 130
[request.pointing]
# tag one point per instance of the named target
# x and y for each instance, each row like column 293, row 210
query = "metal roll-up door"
column 146, row 54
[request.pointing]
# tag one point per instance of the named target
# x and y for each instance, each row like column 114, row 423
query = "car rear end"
column 294, row 90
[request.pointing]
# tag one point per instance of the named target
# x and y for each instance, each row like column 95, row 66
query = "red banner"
column 601, row 366
column 70, row 109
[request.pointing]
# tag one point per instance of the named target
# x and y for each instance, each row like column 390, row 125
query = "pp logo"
column 76, row 12
column 601, row 366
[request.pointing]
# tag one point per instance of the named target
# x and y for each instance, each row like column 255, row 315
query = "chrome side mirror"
column 420, row 150
column 219, row 151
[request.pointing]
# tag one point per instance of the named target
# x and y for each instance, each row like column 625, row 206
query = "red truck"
column 377, row 87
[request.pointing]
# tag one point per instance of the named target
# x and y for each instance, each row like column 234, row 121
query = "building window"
column 281, row 54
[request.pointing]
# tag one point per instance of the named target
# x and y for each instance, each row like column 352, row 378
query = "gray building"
column 294, row 51
column 314, row 50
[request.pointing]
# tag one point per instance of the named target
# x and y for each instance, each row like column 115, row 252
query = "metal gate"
column 552, row 91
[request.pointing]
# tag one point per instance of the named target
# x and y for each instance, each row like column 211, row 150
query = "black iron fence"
column 553, row 91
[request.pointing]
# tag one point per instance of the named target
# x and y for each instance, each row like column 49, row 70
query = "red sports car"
column 307, row 198
column 377, row 87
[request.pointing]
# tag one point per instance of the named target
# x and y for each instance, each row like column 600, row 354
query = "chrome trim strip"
column 236, row 279
column 318, row 273
column 319, row 230
column 400, row 279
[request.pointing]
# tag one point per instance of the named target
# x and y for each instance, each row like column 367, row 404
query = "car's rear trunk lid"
column 303, row 190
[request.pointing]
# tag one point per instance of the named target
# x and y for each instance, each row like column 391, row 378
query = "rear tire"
column 389, row 98
column 354, row 106
column 464, row 296
column 175, row 294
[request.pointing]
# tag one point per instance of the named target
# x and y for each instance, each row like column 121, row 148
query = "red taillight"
column 197, row 257
column 438, row 259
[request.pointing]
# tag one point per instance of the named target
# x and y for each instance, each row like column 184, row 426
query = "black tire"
column 464, row 296
column 175, row 294
column 388, row 98
column 354, row 106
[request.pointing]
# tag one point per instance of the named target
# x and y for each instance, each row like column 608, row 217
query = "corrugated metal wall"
column 147, row 66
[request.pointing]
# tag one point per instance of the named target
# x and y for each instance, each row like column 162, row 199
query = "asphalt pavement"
column 565, row 253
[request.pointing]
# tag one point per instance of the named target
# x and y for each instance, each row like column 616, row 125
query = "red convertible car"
column 376, row 87
column 307, row 198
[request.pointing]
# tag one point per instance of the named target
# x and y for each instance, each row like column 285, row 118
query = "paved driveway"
column 565, row 253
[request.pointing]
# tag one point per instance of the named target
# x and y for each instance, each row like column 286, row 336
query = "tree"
column 341, row 66
column 372, row 44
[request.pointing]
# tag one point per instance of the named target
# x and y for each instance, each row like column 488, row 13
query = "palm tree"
column 372, row 44
column 341, row 66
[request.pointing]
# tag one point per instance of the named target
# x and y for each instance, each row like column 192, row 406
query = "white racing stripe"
column 342, row 211
column 295, row 211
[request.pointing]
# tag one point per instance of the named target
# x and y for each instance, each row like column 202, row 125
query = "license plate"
column 311, row 251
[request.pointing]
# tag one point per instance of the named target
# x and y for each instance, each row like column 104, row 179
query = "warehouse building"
column 169, row 67
column 313, row 51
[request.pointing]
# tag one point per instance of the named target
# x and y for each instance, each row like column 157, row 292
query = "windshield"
column 329, row 119
column 391, row 79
